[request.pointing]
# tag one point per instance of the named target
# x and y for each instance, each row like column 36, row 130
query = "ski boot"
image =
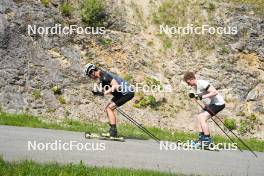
column 207, row 140
column 198, row 143
column 113, row 132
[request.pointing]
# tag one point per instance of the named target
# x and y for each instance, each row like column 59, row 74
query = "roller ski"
column 111, row 135
column 103, row 136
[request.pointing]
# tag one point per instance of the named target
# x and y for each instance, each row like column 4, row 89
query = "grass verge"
column 126, row 130
column 25, row 168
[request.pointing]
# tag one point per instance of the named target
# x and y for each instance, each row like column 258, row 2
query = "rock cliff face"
column 42, row 74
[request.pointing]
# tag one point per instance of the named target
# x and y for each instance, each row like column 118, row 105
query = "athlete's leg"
column 206, row 139
column 199, row 126
column 112, row 118
column 110, row 113
column 117, row 101
column 200, row 130
column 202, row 118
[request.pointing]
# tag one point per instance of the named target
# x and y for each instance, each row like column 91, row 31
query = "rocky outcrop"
column 31, row 65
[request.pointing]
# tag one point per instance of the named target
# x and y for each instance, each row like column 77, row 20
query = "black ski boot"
column 113, row 130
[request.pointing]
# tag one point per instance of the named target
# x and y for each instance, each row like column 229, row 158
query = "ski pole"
column 137, row 124
column 219, row 127
column 233, row 132
column 228, row 129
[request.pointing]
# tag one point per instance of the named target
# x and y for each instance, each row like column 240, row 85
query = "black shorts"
column 213, row 109
column 119, row 99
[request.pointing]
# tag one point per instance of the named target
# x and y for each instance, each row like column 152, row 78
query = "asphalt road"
column 17, row 143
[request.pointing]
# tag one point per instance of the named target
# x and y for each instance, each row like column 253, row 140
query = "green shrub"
column 211, row 7
column 224, row 51
column 146, row 101
column 105, row 42
column 66, row 9
column 174, row 14
column 36, row 94
column 244, row 126
column 56, row 90
column 230, row 123
column 45, row 2
column 248, row 124
column 151, row 81
column 166, row 41
column 92, row 12
column 252, row 117
column 167, row 13
column 62, row 100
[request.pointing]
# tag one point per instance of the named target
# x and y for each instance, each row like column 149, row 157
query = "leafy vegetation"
column 168, row 11
column 66, row 9
column 248, row 124
column 152, row 82
column 62, row 100
column 167, row 42
column 230, row 123
column 45, row 2
column 105, row 42
column 56, row 90
column 245, row 126
column 174, row 14
column 224, row 51
column 211, row 7
column 36, row 94
column 93, row 12
column 146, row 101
